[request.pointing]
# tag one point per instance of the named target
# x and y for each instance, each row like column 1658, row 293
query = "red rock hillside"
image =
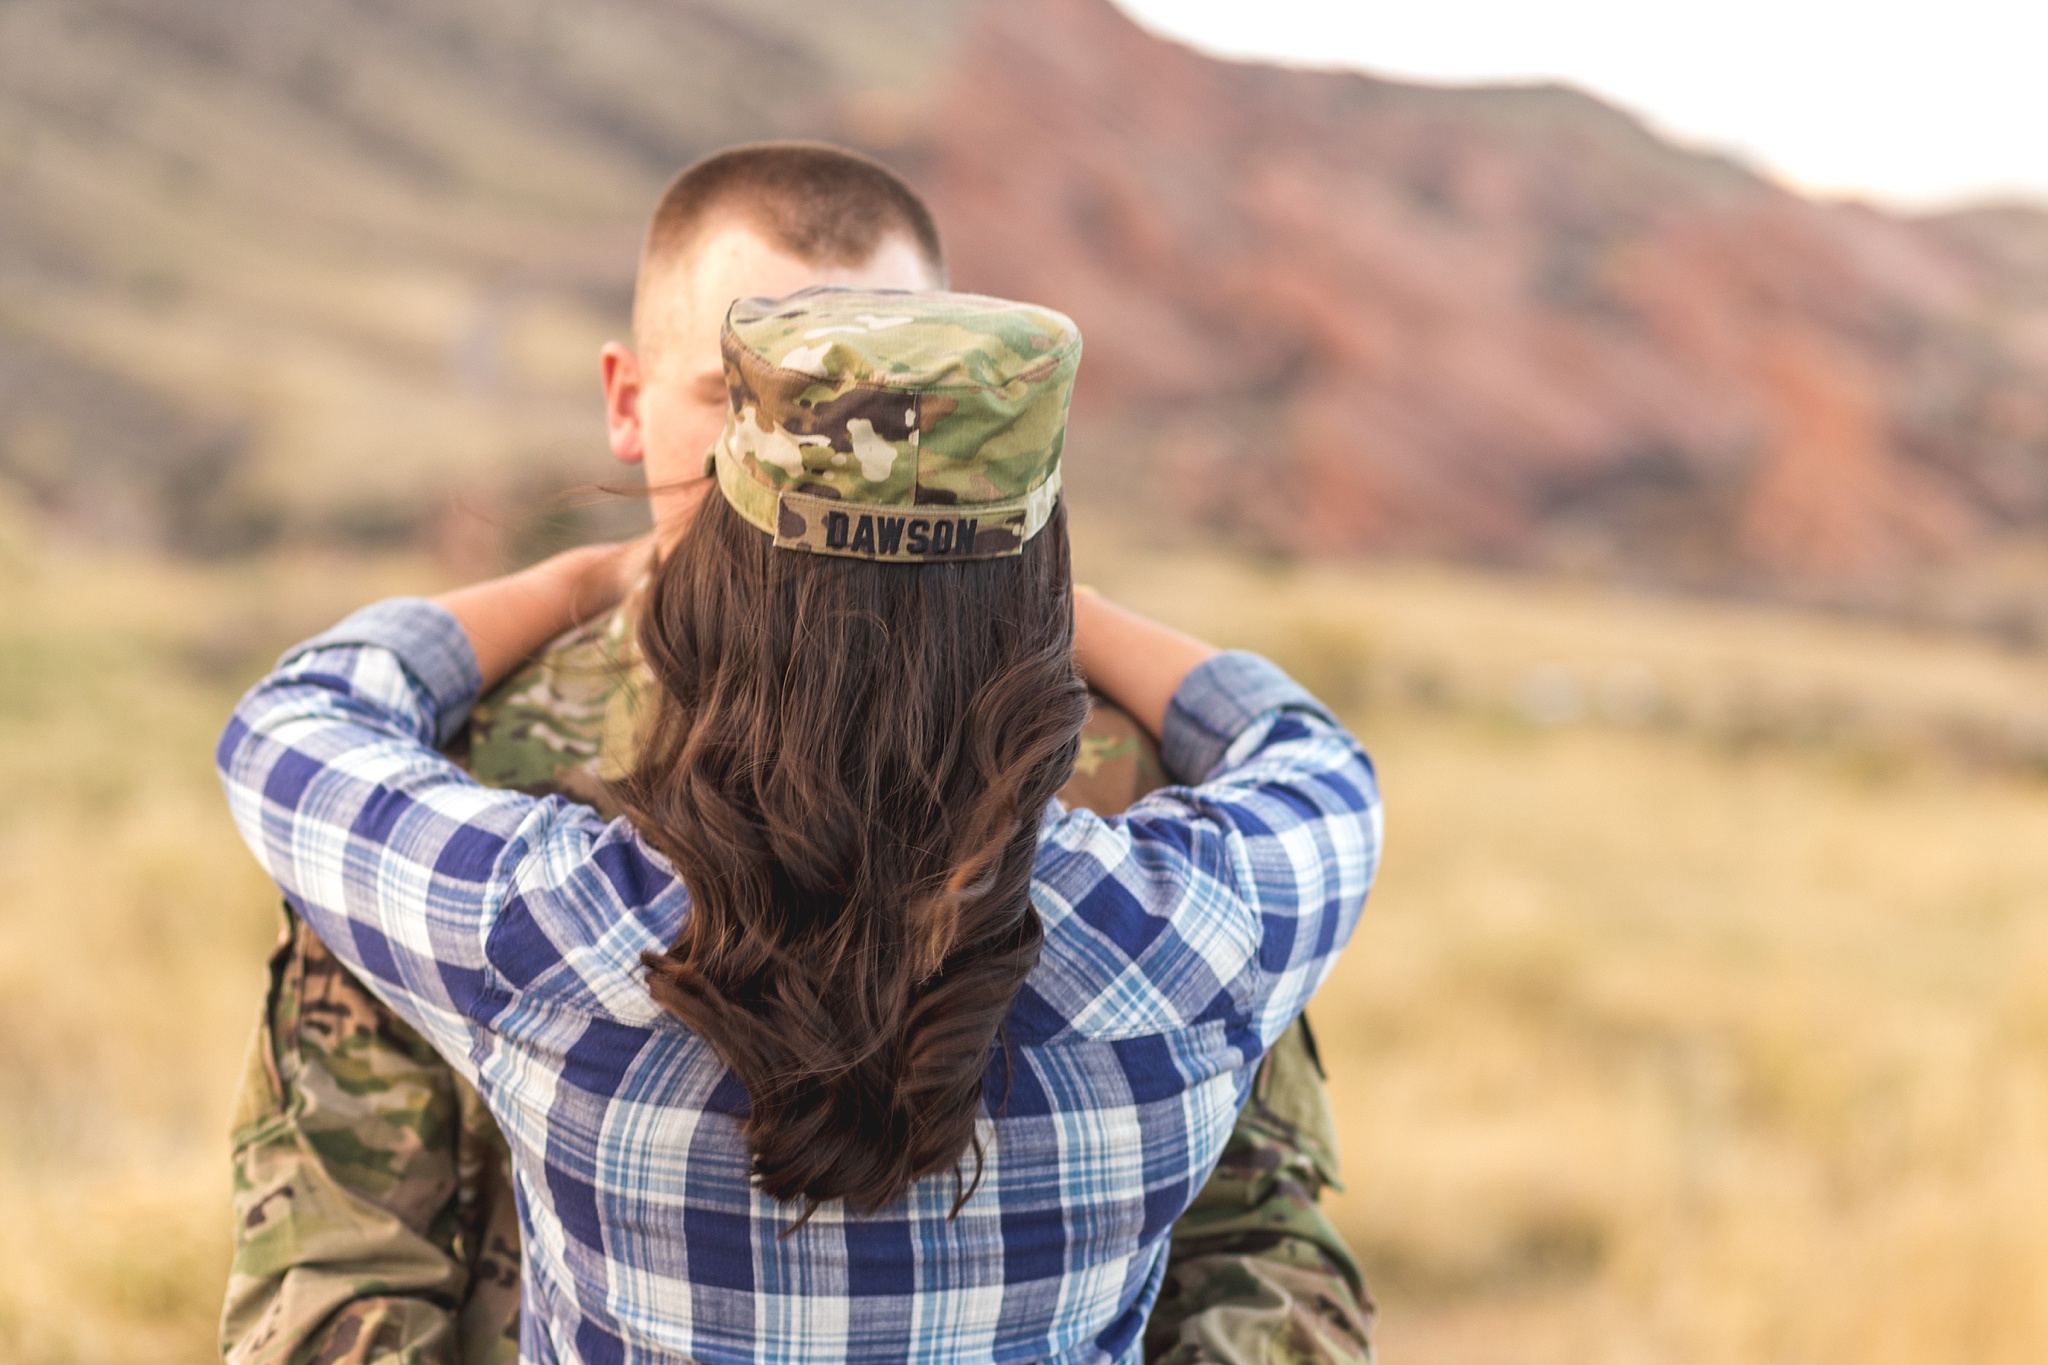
column 1327, row 312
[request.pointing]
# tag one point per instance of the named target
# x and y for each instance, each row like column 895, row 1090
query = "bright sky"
column 1917, row 104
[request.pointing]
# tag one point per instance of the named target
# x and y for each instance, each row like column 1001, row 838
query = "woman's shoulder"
column 586, row 898
column 1143, row 937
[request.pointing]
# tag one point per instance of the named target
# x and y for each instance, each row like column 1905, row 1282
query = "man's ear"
column 622, row 402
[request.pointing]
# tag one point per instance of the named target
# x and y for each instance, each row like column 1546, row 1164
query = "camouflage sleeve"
column 1256, row 1274
column 374, row 1217
column 372, row 1222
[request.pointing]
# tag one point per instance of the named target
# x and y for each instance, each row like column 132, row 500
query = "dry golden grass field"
column 1701, row 1013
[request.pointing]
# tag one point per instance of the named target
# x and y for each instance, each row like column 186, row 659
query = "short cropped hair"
column 818, row 202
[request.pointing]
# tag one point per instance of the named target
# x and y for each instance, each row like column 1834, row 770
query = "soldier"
column 374, row 1211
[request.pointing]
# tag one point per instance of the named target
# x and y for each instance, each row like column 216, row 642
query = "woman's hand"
column 1135, row 662
column 623, row 565
column 509, row 618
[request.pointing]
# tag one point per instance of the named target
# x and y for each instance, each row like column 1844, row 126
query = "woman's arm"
column 396, row 858
column 1241, row 886
column 508, row 618
column 1136, row 663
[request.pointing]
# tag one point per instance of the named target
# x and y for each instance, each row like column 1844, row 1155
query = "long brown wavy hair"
column 847, row 767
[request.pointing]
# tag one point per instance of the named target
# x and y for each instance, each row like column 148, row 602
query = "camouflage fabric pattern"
column 1117, row 764
column 548, row 729
column 1257, row 1274
column 374, row 1217
column 895, row 426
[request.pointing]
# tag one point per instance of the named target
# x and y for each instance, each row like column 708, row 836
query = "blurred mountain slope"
column 1328, row 312
column 332, row 268
column 274, row 269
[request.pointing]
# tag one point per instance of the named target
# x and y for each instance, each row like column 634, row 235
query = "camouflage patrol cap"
column 907, row 427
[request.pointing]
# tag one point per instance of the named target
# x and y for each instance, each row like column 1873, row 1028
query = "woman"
column 850, row 1043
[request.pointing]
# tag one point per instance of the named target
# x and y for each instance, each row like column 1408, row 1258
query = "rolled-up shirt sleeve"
column 1238, row 889
column 400, row 861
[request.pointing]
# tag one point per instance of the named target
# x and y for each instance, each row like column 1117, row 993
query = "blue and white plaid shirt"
column 1181, row 938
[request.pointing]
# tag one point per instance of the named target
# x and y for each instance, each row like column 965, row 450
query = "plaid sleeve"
column 400, row 861
column 1234, row 894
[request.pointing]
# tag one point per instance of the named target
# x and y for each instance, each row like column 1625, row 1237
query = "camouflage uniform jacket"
column 373, row 1207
